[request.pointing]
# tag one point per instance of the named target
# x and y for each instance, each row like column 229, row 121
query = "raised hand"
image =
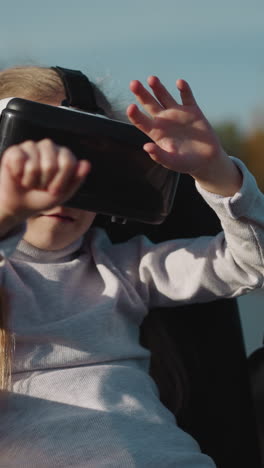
column 183, row 139
column 36, row 176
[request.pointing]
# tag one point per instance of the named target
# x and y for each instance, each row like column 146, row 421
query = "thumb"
column 159, row 155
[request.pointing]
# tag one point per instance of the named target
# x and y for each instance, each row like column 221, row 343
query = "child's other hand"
column 35, row 176
column 183, row 139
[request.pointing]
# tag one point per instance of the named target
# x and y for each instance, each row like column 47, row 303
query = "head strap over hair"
column 79, row 90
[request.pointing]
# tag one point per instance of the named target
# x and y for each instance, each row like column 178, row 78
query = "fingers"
column 145, row 98
column 44, row 166
column 139, row 119
column 69, row 172
column 163, row 99
column 31, row 173
column 160, row 156
column 161, row 93
column 48, row 162
column 14, row 159
column 83, row 168
column 66, row 167
column 186, row 93
column 30, row 163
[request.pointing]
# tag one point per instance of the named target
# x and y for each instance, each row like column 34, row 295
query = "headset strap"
column 79, row 90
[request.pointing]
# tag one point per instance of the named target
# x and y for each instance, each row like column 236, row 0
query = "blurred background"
column 216, row 46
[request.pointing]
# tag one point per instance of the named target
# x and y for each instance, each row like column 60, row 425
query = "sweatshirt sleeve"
column 204, row 268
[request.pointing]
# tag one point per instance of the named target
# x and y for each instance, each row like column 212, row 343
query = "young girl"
column 81, row 393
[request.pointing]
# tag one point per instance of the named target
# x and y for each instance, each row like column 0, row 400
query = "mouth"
column 60, row 217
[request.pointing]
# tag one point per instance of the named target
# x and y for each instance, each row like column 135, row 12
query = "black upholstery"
column 256, row 375
column 209, row 392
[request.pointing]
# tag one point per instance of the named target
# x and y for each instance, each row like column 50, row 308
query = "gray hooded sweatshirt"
column 81, row 393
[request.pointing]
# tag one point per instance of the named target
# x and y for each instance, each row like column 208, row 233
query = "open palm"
column 183, row 139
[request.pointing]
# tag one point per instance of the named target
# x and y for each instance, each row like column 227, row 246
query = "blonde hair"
column 34, row 83
column 6, row 344
column 44, row 85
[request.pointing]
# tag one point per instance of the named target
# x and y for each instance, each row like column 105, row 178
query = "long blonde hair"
column 6, row 343
column 41, row 84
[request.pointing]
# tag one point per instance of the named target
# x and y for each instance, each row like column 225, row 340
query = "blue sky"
column 217, row 46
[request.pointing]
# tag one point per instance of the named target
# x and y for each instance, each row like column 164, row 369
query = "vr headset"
column 124, row 182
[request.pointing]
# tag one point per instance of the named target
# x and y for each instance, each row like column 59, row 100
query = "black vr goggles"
column 124, row 181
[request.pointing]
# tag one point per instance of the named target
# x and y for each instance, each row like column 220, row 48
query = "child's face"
column 58, row 227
